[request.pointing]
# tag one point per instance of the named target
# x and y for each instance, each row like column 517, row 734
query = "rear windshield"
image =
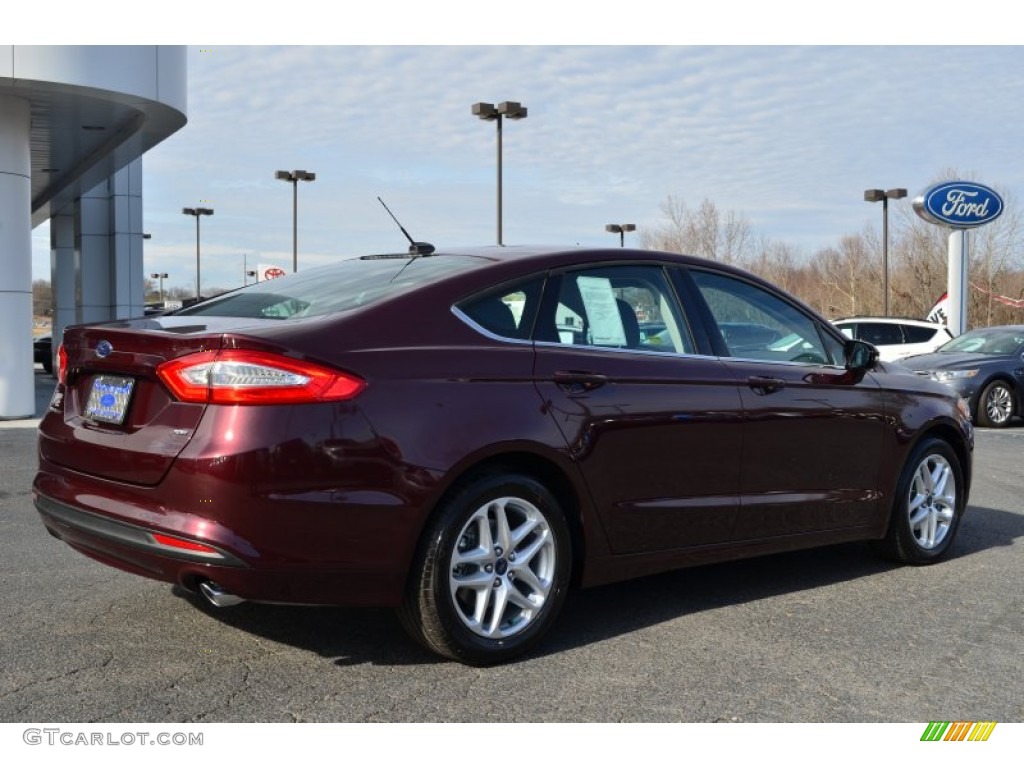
column 348, row 284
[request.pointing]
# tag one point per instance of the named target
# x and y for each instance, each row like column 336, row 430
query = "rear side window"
column 507, row 311
column 915, row 334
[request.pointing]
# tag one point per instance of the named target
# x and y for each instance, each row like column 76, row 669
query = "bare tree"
column 705, row 232
column 849, row 278
column 42, row 298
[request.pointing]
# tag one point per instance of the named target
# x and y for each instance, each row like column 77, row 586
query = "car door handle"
column 764, row 385
column 579, row 381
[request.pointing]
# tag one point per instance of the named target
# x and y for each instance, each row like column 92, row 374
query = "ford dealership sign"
column 959, row 204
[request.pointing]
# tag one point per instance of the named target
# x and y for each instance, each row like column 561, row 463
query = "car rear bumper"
column 125, row 535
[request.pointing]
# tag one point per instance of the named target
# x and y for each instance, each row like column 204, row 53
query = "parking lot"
column 832, row 635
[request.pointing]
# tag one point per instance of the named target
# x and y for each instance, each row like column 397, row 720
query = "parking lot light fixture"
column 197, row 212
column 161, row 276
column 513, row 110
column 621, row 230
column 883, row 195
column 295, row 177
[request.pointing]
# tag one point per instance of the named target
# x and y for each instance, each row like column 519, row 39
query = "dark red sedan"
column 465, row 435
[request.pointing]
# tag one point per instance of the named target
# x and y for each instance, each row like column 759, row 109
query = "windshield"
column 345, row 285
column 986, row 341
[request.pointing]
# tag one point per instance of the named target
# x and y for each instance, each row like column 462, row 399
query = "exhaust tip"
column 216, row 596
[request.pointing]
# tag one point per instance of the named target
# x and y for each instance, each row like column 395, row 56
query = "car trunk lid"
column 116, row 419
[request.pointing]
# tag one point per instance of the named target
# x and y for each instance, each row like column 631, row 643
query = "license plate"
column 108, row 399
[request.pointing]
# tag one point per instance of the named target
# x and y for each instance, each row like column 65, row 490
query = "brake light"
column 62, row 365
column 247, row 377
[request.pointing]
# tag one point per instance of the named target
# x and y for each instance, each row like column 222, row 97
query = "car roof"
column 567, row 255
column 893, row 320
column 490, row 264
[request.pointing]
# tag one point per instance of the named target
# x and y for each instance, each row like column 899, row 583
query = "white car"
column 895, row 337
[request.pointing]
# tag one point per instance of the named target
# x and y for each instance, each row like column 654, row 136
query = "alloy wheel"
column 502, row 567
column 932, row 503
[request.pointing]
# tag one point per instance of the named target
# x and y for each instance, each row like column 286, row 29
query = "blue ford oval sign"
column 959, row 204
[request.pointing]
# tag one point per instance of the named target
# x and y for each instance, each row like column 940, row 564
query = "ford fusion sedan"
column 467, row 435
column 985, row 367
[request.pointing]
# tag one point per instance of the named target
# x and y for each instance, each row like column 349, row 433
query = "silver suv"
column 895, row 337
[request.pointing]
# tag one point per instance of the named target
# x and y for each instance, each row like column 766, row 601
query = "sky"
column 788, row 135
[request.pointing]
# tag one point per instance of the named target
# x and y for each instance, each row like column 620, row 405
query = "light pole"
column 197, row 212
column 295, row 177
column 621, row 229
column 873, row 196
column 160, row 276
column 513, row 110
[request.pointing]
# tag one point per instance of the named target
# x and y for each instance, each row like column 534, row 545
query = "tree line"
column 846, row 279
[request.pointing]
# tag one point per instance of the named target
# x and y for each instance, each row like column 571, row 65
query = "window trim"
column 483, row 331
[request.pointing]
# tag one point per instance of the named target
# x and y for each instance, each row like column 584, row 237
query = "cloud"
column 790, row 136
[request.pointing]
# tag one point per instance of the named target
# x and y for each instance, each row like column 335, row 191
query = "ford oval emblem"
column 959, row 204
column 104, row 348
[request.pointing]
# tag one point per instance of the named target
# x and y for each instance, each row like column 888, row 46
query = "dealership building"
column 74, row 124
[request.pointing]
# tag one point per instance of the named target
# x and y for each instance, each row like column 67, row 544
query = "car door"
column 813, row 431
column 654, row 427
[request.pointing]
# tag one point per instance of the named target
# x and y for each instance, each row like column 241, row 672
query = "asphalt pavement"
column 830, row 635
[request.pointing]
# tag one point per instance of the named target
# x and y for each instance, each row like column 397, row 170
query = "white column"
column 108, row 267
column 126, row 241
column 92, row 255
column 17, row 378
column 956, row 280
column 62, row 273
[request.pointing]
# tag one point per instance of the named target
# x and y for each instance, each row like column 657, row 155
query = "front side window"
column 617, row 307
column 758, row 325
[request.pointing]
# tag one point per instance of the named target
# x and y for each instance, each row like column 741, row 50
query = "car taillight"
column 62, row 365
column 246, row 377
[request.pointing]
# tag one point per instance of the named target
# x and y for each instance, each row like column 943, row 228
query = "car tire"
column 492, row 571
column 48, row 367
column 995, row 405
column 929, row 503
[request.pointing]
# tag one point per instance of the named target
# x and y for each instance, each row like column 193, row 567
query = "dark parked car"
column 985, row 366
column 424, row 433
column 42, row 352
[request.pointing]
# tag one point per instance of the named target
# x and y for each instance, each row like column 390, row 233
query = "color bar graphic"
column 958, row 731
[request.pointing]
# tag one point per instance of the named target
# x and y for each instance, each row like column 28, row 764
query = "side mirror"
column 860, row 356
